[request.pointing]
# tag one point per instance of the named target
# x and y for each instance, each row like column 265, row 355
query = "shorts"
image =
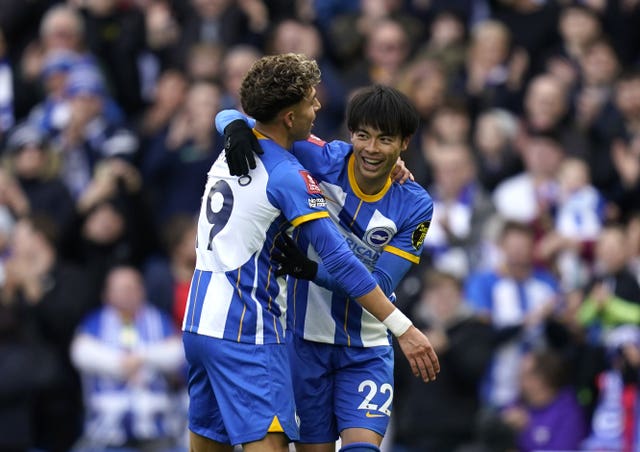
column 238, row 392
column 338, row 387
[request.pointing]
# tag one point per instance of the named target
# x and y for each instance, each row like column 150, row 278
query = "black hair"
column 383, row 108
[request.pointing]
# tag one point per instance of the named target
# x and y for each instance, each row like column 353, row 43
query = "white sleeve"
column 92, row 356
column 165, row 356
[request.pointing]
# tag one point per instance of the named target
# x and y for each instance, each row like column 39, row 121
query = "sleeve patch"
column 312, row 186
column 419, row 234
column 315, row 140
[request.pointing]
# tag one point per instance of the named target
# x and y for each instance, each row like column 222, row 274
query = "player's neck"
column 275, row 133
column 369, row 185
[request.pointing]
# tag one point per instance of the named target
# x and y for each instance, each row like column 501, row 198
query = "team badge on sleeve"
column 419, row 234
column 312, row 186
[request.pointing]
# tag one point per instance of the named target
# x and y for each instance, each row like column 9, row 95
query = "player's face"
column 376, row 153
column 304, row 113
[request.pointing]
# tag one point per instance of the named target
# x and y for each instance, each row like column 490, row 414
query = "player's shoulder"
column 287, row 173
column 317, row 149
column 412, row 192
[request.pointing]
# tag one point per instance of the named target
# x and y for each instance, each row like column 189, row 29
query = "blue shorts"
column 238, row 392
column 339, row 387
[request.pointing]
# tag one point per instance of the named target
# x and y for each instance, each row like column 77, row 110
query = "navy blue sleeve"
column 350, row 274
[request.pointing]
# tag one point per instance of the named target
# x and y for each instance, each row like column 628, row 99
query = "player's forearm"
column 377, row 303
column 338, row 260
column 352, row 275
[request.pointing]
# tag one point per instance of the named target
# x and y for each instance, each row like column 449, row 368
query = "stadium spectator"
column 449, row 124
column 61, row 28
column 612, row 296
column 28, row 367
column 517, row 299
column 546, row 112
column 112, row 224
column 593, row 97
column 177, row 158
column 493, row 143
column 447, row 43
column 386, row 50
column 52, row 112
column 464, row 344
column 220, row 22
column 32, row 163
column 532, row 26
column 116, row 37
column 49, row 297
column 168, row 274
column 131, row 362
column 424, row 82
column 578, row 26
column 167, row 99
column 162, row 34
column 93, row 131
column 350, row 35
column 567, row 246
column 461, row 211
column 531, row 195
column 547, row 415
column 614, row 422
column 494, row 69
column 235, row 65
column 625, row 155
column 204, row 62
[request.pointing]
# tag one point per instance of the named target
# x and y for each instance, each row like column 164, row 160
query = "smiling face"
column 375, row 154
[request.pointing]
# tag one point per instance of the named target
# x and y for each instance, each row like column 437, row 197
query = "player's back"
column 234, row 293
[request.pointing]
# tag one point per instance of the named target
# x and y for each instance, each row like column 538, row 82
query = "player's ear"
column 404, row 143
column 288, row 118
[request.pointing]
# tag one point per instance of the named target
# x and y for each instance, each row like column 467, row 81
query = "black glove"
column 239, row 145
column 293, row 261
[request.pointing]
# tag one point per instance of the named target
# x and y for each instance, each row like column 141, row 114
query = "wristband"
column 397, row 322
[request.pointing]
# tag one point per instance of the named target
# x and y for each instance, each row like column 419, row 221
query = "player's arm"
column 389, row 270
column 393, row 264
column 240, row 144
column 356, row 280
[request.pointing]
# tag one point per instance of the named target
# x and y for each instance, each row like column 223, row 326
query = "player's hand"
column 240, row 144
column 420, row 354
column 400, row 173
column 292, row 261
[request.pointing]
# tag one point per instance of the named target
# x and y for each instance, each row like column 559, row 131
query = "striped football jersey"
column 234, row 293
column 395, row 221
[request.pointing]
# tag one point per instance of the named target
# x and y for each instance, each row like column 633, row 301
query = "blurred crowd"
column 529, row 145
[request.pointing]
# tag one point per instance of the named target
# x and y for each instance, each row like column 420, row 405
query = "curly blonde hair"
column 275, row 82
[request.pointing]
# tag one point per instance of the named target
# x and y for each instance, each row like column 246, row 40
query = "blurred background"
column 529, row 144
